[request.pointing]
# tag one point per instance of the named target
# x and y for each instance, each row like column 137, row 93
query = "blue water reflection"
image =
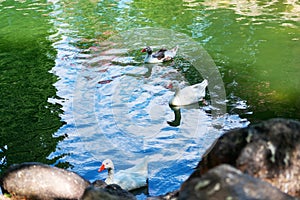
column 117, row 107
column 120, row 111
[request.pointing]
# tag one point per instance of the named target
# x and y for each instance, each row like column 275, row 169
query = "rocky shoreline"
column 260, row 161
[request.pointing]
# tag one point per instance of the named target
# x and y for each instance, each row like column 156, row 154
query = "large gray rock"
column 107, row 192
column 269, row 151
column 226, row 182
column 39, row 181
column 92, row 193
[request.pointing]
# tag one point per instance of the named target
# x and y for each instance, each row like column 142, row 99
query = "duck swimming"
column 162, row 55
column 189, row 95
column 129, row 179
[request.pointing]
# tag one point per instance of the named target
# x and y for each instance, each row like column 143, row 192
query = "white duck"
column 189, row 95
column 162, row 55
column 129, row 179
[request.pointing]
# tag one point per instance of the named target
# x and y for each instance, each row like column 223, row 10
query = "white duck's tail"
column 175, row 49
column 200, row 89
column 201, row 86
column 172, row 52
column 204, row 83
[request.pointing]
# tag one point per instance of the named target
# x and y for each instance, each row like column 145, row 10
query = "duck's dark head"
column 147, row 49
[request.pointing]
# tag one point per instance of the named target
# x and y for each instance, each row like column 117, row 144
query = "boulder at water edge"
column 107, row 192
column 226, row 182
column 269, row 151
column 39, row 181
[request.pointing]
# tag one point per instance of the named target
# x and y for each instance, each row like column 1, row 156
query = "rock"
column 226, row 182
column 92, row 193
column 169, row 196
column 99, row 184
column 2, row 197
column 39, row 181
column 109, row 192
column 116, row 190
column 269, row 151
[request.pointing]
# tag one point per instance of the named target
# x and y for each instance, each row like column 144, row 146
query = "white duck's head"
column 106, row 164
column 175, row 85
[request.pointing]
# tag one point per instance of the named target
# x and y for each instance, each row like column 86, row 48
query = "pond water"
column 75, row 90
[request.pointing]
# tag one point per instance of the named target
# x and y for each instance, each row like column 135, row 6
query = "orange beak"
column 143, row 50
column 102, row 167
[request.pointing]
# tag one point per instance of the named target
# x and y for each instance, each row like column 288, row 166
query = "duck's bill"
column 101, row 168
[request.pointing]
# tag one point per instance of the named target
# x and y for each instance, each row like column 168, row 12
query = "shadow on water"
column 28, row 121
column 177, row 112
column 177, row 117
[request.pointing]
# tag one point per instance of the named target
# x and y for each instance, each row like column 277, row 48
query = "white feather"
column 189, row 95
column 129, row 179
